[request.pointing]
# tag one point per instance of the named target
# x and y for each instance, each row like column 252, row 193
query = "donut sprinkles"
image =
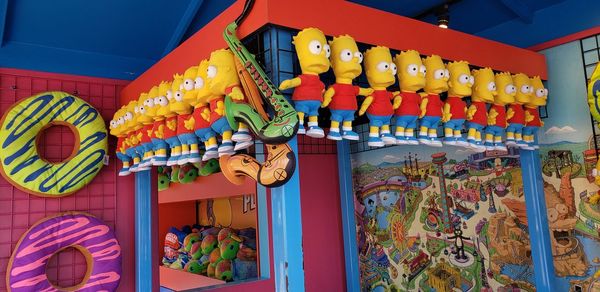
column 27, row 266
column 20, row 163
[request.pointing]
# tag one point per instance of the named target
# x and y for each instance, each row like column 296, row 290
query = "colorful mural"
column 441, row 218
column 568, row 156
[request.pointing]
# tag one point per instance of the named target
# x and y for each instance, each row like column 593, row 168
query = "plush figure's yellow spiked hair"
column 304, row 31
column 375, row 50
column 408, row 53
column 340, row 37
column 452, row 65
column 477, row 72
column 505, row 74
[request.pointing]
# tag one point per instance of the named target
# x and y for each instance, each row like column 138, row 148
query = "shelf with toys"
column 205, row 187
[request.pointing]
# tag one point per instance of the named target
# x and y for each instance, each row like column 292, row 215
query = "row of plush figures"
column 417, row 108
column 166, row 125
column 220, row 253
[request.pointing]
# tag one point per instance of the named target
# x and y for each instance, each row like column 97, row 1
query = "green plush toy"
column 187, row 173
column 195, row 267
column 223, row 271
column 163, row 178
column 189, row 241
column 209, row 167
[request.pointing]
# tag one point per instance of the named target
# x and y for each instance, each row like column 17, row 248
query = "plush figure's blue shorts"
column 342, row 115
column 494, row 130
column 205, row 134
column 123, row 157
column 475, row 126
column 221, row 125
column 406, row 121
column 455, row 124
column 188, row 138
column 512, row 128
column 430, row 121
column 378, row 121
column 173, row 141
column 309, row 107
column 159, row 143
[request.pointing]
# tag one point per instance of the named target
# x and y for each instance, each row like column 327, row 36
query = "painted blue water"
column 518, row 272
column 591, row 247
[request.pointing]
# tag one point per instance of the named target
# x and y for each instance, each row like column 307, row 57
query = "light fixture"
column 443, row 16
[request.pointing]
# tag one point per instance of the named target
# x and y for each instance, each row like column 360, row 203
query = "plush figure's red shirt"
column 121, row 144
column 536, row 122
column 170, row 127
column 181, row 127
column 501, row 117
column 434, row 106
column 146, row 131
column 214, row 115
column 480, row 116
column 310, row 88
column 157, row 132
column 410, row 104
column 519, row 116
column 381, row 105
column 344, row 97
column 199, row 121
column 132, row 138
column 457, row 107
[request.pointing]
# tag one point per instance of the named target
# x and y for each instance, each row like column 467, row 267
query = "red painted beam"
column 336, row 17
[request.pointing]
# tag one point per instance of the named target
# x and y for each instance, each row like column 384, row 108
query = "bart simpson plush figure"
column 147, row 112
column 134, row 135
column 185, row 121
column 117, row 129
column 341, row 96
column 411, row 77
column 516, row 113
column 169, row 132
column 455, row 108
column 484, row 90
column 313, row 53
column 381, row 73
column 532, row 114
column 497, row 113
column 436, row 82
column 223, row 80
column 201, row 113
column 158, row 127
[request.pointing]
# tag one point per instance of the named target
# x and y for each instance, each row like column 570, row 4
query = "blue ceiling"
column 121, row 39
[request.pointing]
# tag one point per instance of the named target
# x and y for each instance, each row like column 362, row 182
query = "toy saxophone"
column 280, row 162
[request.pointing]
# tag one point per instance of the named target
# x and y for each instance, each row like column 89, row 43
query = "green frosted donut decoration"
column 20, row 162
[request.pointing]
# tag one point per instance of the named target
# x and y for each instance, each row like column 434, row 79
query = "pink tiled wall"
column 108, row 197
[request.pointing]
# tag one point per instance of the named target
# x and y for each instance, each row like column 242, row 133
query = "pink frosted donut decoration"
column 94, row 239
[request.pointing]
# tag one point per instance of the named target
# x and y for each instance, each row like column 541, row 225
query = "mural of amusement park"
column 568, row 157
column 441, row 218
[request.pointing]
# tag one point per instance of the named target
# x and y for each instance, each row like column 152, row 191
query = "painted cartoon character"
column 158, row 126
column 459, row 244
column 380, row 71
column 313, row 53
column 132, row 127
column 117, row 129
column 170, row 120
column 341, row 96
column 532, row 114
column 411, row 77
column 223, row 80
column 198, row 98
column 516, row 113
column 455, row 108
column 185, row 123
column 436, row 82
column 494, row 131
column 147, row 112
column 484, row 90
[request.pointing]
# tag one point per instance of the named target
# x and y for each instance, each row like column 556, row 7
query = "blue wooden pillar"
column 146, row 262
column 286, row 210
column 541, row 249
column 263, row 219
column 348, row 218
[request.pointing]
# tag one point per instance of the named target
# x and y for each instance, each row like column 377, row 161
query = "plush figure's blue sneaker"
column 375, row 142
column 301, row 129
column 388, row 139
column 241, row 136
column 334, row 135
column 460, row 141
column 435, row 142
column 412, row 140
column 243, row 145
column 183, row 159
column 159, row 160
column 173, row 160
column 450, row 141
column 194, row 157
column 315, row 132
column 489, row 146
column 350, row 135
column 210, row 153
column 226, row 148
column 500, row 147
column 124, row 171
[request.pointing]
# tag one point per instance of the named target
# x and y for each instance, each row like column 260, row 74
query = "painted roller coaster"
column 274, row 131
